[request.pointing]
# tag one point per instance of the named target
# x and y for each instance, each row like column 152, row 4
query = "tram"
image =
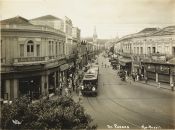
column 90, row 82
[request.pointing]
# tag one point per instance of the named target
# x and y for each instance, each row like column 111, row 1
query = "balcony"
column 128, row 55
column 29, row 59
column 38, row 59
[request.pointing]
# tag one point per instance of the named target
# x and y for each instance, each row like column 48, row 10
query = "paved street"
column 129, row 104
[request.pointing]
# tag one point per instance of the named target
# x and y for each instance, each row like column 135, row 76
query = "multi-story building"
column 72, row 36
column 148, row 52
column 32, row 58
column 68, row 30
column 36, row 55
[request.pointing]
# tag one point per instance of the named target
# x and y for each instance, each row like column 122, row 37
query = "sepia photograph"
column 87, row 64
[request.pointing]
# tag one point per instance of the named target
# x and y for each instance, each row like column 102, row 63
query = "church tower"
column 95, row 36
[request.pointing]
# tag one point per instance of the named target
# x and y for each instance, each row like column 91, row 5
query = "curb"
column 155, row 85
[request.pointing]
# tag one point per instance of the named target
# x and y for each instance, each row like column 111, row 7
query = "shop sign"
column 162, row 69
column 150, row 68
column 172, row 70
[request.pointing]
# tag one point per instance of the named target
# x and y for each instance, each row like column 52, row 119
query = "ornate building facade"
column 33, row 56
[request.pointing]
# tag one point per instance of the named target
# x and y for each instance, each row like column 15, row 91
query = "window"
column 149, row 50
column 1, row 48
column 141, row 50
column 137, row 50
column 56, row 48
column 30, row 48
column 166, row 49
column 38, row 50
column 154, row 49
column 22, row 50
column 159, row 49
column 49, row 48
column 52, row 48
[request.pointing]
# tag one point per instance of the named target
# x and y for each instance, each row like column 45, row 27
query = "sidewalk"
column 154, row 84
column 151, row 83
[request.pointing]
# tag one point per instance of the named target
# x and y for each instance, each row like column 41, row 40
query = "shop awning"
column 124, row 61
column 71, row 64
column 64, row 67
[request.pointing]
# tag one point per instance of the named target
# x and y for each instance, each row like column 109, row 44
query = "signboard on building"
column 162, row 69
column 150, row 68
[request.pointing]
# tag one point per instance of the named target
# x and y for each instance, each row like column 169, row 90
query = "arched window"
column 30, row 48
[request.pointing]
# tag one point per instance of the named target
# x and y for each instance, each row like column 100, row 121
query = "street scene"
column 87, row 64
column 129, row 104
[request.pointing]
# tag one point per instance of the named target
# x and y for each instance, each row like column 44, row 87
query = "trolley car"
column 90, row 82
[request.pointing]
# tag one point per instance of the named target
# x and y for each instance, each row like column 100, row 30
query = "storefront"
column 150, row 71
column 125, row 64
column 64, row 72
column 163, row 73
column 30, row 86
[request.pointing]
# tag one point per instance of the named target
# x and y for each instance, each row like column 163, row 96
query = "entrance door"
column 173, row 51
column 30, row 48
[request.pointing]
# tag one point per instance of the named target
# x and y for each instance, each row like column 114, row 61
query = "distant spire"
column 95, row 33
column 95, row 36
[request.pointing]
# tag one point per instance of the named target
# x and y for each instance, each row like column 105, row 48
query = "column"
column 171, row 79
column 44, row 84
column 58, row 78
column 15, row 88
column 7, row 88
column 55, row 80
column 157, row 77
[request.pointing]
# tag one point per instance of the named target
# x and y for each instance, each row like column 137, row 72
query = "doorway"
column 173, row 51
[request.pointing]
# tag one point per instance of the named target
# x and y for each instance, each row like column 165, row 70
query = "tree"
column 62, row 113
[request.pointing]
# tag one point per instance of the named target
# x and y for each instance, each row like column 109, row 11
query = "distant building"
column 148, row 53
column 49, row 20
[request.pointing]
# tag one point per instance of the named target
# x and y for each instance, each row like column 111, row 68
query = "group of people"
column 137, row 77
column 105, row 65
column 71, row 84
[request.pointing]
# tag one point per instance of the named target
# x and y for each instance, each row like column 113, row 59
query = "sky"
column 112, row 18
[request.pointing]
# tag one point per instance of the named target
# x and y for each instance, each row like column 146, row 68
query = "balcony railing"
column 126, row 54
column 32, row 27
column 152, row 57
column 38, row 59
column 29, row 59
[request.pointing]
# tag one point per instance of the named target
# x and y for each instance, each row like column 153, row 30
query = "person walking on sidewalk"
column 146, row 79
column 158, row 85
column 61, row 88
column 79, row 92
column 172, row 86
column 66, row 91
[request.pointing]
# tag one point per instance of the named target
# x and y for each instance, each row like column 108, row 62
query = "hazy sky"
column 111, row 17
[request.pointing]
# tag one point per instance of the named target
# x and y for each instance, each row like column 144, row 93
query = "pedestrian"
column 57, row 91
column 69, row 87
column 158, row 85
column 146, row 79
column 61, row 88
column 133, row 77
column 172, row 86
column 66, row 91
column 80, row 95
